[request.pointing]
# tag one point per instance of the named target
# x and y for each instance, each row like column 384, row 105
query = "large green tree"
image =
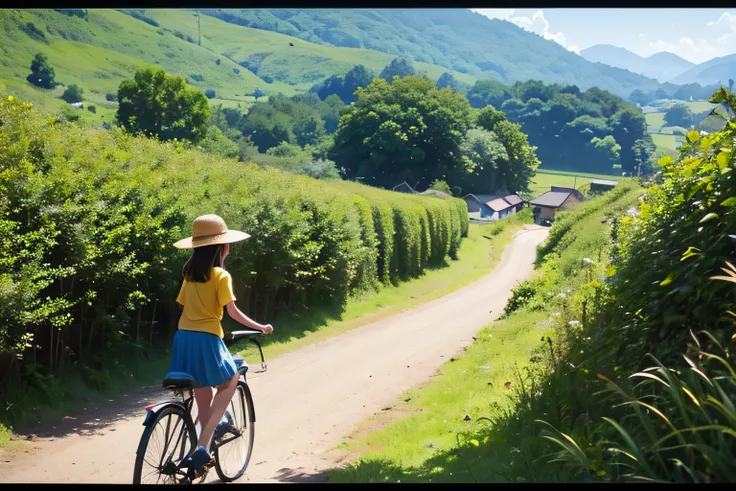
column 447, row 80
column 488, row 92
column 399, row 67
column 42, row 74
column 483, row 155
column 679, row 115
column 156, row 103
column 629, row 127
column 515, row 172
column 344, row 87
column 408, row 130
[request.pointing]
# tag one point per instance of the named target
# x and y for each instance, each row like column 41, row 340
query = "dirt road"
column 307, row 401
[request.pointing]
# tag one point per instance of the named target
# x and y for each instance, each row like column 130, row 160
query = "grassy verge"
column 453, row 435
column 66, row 392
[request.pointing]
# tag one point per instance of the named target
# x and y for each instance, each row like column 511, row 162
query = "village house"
column 493, row 207
column 404, row 188
column 558, row 198
column 602, row 185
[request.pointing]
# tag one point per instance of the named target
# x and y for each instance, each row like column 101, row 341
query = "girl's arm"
column 234, row 312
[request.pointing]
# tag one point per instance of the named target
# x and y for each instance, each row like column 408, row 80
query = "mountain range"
column 665, row 66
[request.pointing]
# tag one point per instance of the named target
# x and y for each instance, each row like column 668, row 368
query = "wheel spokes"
column 160, row 455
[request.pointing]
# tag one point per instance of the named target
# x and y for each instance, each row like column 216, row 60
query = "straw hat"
column 210, row 230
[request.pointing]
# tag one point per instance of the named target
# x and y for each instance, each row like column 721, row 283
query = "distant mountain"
column 459, row 39
column 715, row 71
column 662, row 66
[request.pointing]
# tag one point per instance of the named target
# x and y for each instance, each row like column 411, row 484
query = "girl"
column 198, row 347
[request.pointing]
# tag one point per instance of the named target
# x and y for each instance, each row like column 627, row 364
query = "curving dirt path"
column 307, row 401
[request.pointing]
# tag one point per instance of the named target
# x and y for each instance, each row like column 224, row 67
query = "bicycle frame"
column 188, row 400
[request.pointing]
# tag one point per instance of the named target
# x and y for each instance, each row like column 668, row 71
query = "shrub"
column 92, row 109
column 196, row 77
column 217, row 61
column 42, row 74
column 72, row 94
column 94, row 256
column 211, row 94
column 111, row 97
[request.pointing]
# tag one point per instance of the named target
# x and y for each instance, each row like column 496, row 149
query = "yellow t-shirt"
column 203, row 302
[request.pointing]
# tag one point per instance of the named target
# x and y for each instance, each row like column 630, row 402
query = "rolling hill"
column 106, row 48
column 715, row 71
column 455, row 38
column 278, row 57
column 661, row 66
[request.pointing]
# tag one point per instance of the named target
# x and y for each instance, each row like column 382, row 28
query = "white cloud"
column 718, row 39
column 495, row 13
column 539, row 25
column 641, row 34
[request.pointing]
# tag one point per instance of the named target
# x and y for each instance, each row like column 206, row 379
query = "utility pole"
column 575, row 183
column 199, row 28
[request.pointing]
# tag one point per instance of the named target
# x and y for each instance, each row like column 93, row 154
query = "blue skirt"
column 202, row 355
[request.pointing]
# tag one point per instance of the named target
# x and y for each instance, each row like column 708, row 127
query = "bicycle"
column 174, row 418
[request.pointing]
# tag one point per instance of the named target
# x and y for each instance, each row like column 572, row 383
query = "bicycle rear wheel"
column 232, row 454
column 164, row 444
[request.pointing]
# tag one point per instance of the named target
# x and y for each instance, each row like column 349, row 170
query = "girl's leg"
column 203, row 396
column 217, row 409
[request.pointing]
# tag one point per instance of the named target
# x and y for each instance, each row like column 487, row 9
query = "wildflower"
column 574, row 323
column 588, row 260
column 562, row 295
column 556, row 314
column 10, row 98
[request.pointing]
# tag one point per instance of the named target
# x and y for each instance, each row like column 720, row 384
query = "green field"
column 301, row 65
column 99, row 53
column 545, row 179
column 655, row 119
column 665, row 142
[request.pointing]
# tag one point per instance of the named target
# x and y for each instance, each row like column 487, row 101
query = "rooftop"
column 552, row 199
column 604, row 182
column 498, row 204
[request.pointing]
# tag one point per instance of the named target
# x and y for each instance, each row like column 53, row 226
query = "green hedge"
column 89, row 217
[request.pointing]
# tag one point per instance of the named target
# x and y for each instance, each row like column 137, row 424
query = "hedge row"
column 89, row 217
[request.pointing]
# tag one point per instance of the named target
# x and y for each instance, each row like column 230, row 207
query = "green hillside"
column 272, row 56
column 455, row 38
column 99, row 53
column 106, row 48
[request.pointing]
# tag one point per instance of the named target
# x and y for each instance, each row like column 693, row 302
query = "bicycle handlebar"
column 252, row 336
column 234, row 335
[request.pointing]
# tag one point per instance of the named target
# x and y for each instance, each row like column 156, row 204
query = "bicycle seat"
column 179, row 380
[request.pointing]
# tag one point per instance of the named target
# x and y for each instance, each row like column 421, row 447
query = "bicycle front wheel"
column 164, row 444
column 232, row 453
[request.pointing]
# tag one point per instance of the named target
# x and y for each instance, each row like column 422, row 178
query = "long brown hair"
column 199, row 266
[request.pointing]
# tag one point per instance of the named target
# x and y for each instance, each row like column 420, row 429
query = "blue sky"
column 697, row 35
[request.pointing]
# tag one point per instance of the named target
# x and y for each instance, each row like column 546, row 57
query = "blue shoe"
column 197, row 459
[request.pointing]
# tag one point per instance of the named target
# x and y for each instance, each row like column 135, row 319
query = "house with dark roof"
column 436, row 193
column 558, row 198
column 404, row 188
column 492, row 206
column 602, row 185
